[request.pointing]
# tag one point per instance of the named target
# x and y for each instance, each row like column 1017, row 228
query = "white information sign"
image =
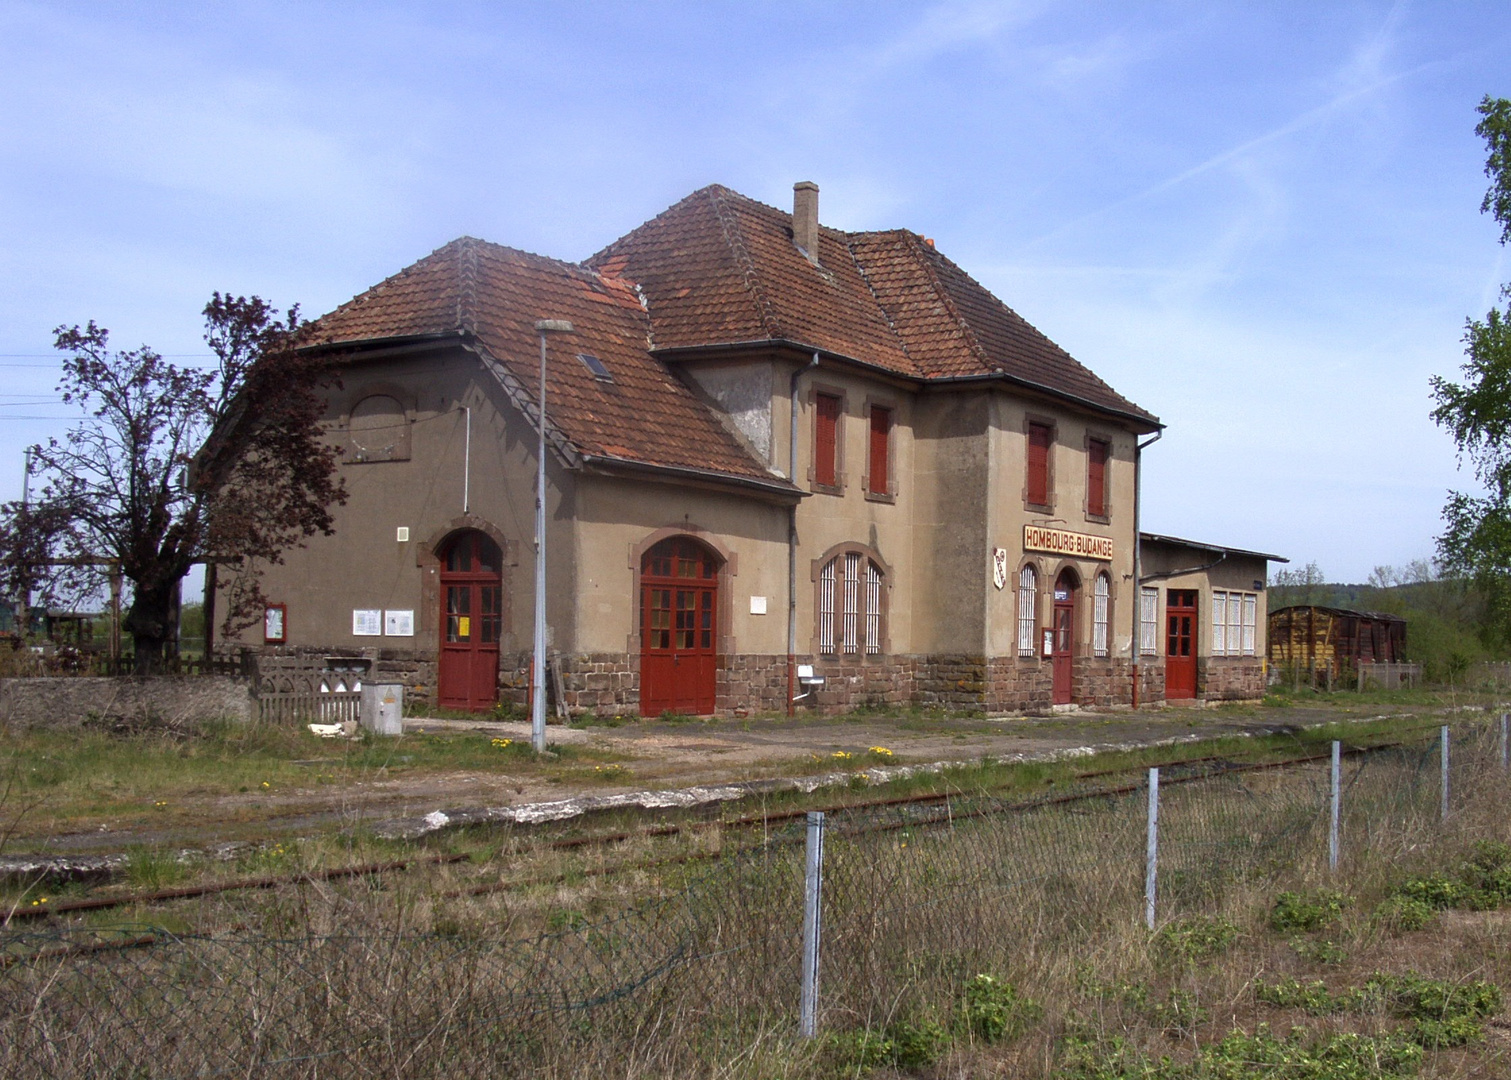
column 367, row 622
column 398, row 623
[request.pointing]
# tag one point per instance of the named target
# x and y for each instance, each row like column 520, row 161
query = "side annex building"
column 784, row 461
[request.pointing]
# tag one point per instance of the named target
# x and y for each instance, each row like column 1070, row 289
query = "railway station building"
column 788, row 467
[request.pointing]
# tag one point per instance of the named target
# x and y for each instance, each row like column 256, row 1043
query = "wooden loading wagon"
column 1329, row 642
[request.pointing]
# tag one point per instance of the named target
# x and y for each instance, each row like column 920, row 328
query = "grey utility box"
column 383, row 708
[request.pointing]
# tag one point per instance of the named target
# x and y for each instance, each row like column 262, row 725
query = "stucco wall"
column 364, row 565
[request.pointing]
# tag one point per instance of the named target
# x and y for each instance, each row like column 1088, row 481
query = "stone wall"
column 1221, row 678
column 173, row 700
column 1019, row 685
column 1102, row 681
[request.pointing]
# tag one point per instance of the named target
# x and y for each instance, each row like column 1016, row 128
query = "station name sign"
column 1060, row 542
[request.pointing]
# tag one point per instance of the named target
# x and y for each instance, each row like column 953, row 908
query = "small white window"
column 1250, row 607
column 1219, row 623
column 1028, row 599
column 1100, row 598
column 1149, row 622
column 1235, row 624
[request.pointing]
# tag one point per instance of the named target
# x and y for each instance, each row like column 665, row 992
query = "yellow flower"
column 266, row 784
column 880, row 751
column 843, row 755
column 503, row 744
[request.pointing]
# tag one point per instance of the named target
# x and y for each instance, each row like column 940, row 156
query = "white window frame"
column 1149, row 620
column 1101, row 601
column 1250, row 615
column 1028, row 610
column 1219, row 622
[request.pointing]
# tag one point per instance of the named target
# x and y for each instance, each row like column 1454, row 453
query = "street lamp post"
column 538, row 671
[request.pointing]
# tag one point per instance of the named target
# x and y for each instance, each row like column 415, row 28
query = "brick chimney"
column 805, row 218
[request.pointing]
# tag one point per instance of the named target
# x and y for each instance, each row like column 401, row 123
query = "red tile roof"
column 719, row 268
column 715, row 269
column 496, row 294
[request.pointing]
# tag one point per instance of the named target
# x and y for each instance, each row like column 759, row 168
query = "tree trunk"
column 149, row 622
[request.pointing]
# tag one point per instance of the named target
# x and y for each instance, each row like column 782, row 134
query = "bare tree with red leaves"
column 175, row 465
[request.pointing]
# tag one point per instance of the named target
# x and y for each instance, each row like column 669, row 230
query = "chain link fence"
column 916, row 895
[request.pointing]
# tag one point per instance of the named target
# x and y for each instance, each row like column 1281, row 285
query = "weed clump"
column 1308, row 911
column 1196, row 938
column 905, row 1044
column 993, row 1011
column 1405, row 913
column 1441, row 1013
column 1241, row 1056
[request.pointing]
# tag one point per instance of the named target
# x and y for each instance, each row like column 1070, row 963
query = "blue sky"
column 1259, row 221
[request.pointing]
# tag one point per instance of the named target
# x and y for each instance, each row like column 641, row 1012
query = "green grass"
column 61, row 777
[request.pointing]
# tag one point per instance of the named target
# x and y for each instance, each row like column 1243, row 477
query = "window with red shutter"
column 826, row 442
column 881, row 435
column 1039, row 437
column 1096, row 477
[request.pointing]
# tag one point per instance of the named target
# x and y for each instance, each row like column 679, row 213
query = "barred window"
column 849, row 606
column 1250, row 606
column 1148, row 632
column 1101, row 597
column 1028, row 603
column 1219, row 624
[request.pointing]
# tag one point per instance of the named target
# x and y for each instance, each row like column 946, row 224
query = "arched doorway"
column 1066, row 586
column 472, row 616
column 679, row 633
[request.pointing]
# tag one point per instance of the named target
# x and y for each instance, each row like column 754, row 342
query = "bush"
column 1306, row 911
column 1405, row 913
column 995, row 1012
column 906, row 1044
column 1196, row 938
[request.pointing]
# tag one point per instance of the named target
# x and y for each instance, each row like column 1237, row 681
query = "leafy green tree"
column 1476, row 540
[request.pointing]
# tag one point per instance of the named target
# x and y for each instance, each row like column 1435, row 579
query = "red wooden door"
column 472, row 608
column 679, row 633
column 1064, row 639
column 1180, row 645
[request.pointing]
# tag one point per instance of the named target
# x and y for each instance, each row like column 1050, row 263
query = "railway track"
column 1185, row 770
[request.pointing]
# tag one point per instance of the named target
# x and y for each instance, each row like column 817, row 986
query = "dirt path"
column 661, row 755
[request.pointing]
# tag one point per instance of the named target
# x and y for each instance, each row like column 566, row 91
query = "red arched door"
column 472, row 617
column 1064, row 637
column 679, row 632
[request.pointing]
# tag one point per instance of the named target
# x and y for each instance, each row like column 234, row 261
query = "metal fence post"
column 1151, row 849
column 813, row 891
column 1443, row 758
column 1337, row 785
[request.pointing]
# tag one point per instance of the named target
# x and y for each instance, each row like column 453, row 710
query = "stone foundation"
column 608, row 684
column 1221, row 678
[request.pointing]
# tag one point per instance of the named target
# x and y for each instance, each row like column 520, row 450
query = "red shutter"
column 1096, row 478
column 1039, row 436
column 881, row 429
column 825, row 463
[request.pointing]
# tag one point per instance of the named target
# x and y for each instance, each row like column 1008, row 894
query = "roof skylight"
column 595, row 365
